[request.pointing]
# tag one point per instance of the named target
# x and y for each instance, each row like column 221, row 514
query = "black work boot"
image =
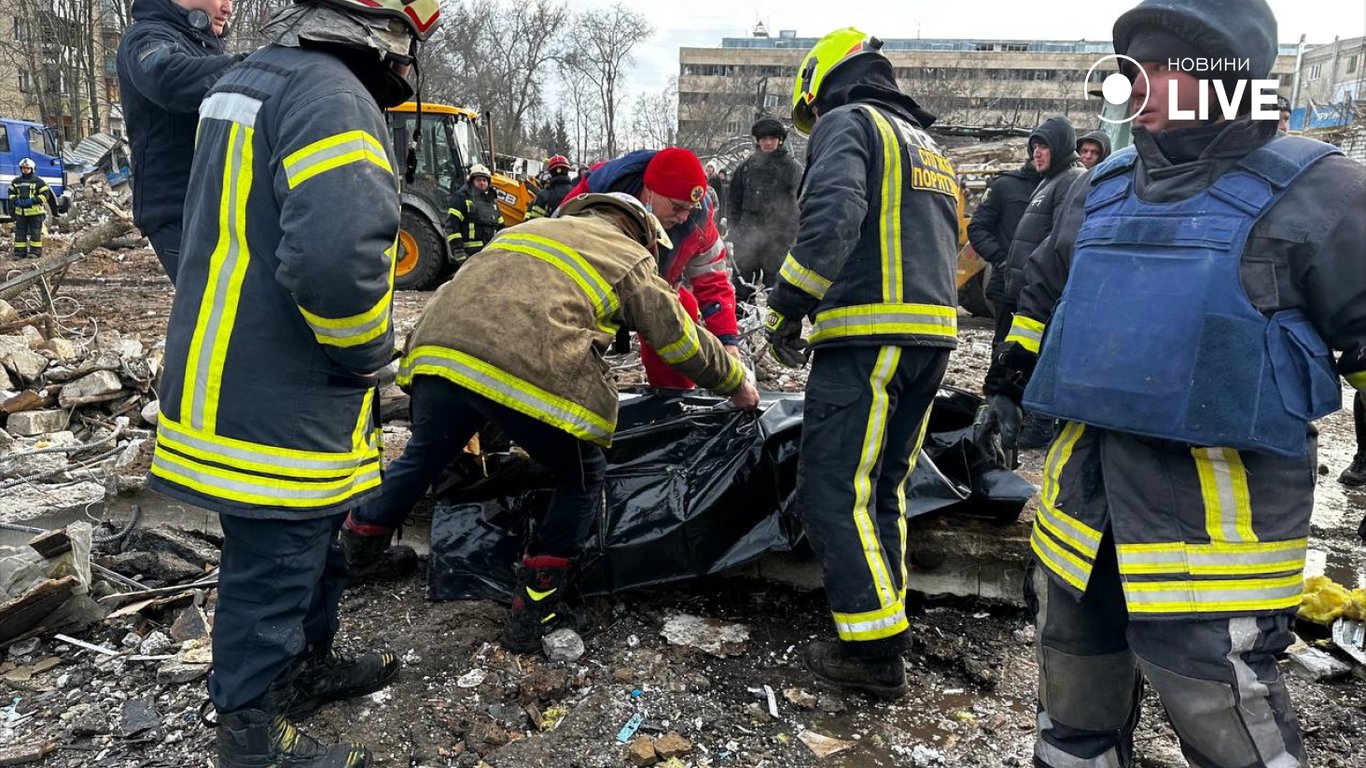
column 538, row 604
column 254, row 738
column 369, row 556
column 328, row 676
column 884, row 678
column 1355, row 475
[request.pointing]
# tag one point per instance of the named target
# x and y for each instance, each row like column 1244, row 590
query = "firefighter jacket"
column 540, row 352
column 763, row 194
column 548, row 200
column 1046, row 203
column 876, row 251
column 698, row 259
column 282, row 305
column 993, row 223
column 27, row 193
column 473, row 218
column 165, row 67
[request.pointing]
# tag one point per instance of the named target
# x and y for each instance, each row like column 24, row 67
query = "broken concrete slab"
column 193, row 548
column 562, row 645
column 174, row 671
column 102, row 361
column 29, row 502
column 713, row 636
column 139, row 715
column 32, row 423
column 6, row 383
column 35, row 337
column 12, row 343
column 63, row 350
column 96, row 387
column 8, row 313
column 28, row 400
column 25, row 364
column 150, row 412
column 1316, row 665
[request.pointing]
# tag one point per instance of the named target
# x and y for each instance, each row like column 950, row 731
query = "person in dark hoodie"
column 873, row 268
column 1191, row 294
column 992, row 229
column 167, row 61
column 1093, row 147
column 762, row 204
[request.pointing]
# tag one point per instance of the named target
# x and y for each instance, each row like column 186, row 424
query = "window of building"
column 1315, row 70
column 1017, row 47
column 1352, row 62
column 4, row 139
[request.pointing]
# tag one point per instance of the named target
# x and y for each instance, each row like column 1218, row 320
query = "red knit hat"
column 677, row 173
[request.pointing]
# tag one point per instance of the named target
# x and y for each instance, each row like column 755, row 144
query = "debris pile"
column 1332, row 633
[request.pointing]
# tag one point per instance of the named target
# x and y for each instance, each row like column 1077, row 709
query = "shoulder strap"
column 1281, row 160
column 1120, row 162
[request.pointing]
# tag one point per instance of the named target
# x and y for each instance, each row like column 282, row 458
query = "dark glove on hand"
column 1000, row 417
column 1010, row 371
column 785, row 342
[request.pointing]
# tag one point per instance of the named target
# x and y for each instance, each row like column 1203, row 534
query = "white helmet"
column 652, row 231
column 27, row 163
column 479, row 169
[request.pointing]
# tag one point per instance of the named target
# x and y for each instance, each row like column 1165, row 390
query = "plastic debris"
column 823, row 746
column 471, row 679
column 629, row 729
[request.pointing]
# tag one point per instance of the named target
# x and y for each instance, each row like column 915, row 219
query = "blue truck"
column 20, row 139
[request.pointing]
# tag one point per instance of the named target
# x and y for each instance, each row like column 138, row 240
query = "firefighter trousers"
column 1179, row 565
column 28, row 236
column 865, row 417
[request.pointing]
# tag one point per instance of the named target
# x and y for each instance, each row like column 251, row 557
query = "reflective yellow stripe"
column 1223, row 486
column 1357, row 380
column 889, row 223
column 502, row 387
column 218, row 306
column 1218, row 559
column 361, row 435
column 733, row 379
column 574, row 265
column 1083, row 538
column 803, row 279
column 1066, row 565
column 872, row 625
column 456, row 213
column 334, row 152
column 885, row 320
column 1059, row 453
column 684, row 348
column 874, row 437
column 259, row 457
column 1026, row 332
column 901, row 494
column 357, row 329
column 245, row 488
column 1214, row 595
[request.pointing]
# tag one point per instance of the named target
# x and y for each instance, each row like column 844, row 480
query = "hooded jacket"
column 877, row 244
column 1038, row 218
column 165, row 66
column 283, row 299
column 1099, row 137
column 996, row 218
column 763, row 192
column 540, row 352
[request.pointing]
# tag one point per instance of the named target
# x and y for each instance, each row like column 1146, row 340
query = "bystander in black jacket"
column 993, row 224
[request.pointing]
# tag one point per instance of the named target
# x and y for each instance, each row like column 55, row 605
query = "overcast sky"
column 702, row 23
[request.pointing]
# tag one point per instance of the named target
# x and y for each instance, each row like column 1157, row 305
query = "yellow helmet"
column 829, row 53
column 421, row 16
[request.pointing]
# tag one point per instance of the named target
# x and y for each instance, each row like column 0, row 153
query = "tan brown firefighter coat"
column 527, row 320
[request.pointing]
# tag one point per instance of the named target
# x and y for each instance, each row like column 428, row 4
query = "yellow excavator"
column 451, row 142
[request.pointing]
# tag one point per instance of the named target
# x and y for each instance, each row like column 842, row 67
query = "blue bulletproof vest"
column 1154, row 334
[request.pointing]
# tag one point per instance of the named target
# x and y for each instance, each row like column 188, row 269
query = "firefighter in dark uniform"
column 27, row 194
column 548, row 200
column 873, row 268
column 1179, row 322
column 280, row 324
column 473, row 218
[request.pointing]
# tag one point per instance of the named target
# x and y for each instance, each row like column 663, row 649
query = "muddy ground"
column 971, row 671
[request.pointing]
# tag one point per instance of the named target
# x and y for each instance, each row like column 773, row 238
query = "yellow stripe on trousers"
column 1223, row 486
column 874, row 438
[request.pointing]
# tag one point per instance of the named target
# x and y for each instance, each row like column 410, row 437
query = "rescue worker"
column 1093, row 147
column 167, row 61
column 671, row 184
column 593, row 267
column 1190, row 295
column 473, row 218
column 26, row 195
column 992, row 228
column 280, row 324
column 761, row 204
column 873, row 267
column 554, row 191
column 1052, row 147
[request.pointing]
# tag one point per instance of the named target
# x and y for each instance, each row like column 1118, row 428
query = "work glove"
column 999, row 417
column 785, row 342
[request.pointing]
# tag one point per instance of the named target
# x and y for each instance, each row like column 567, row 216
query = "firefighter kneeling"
column 487, row 349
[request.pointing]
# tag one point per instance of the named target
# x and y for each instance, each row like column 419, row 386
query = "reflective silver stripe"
column 1212, row 595
column 506, row 393
column 1056, row 557
column 178, row 434
column 223, row 283
column 1056, row 758
column 1254, row 699
column 1276, row 557
column 600, row 292
column 236, row 107
column 266, row 487
column 351, row 332
column 707, row 261
column 1081, row 538
column 806, row 280
column 857, row 627
column 683, row 349
column 880, row 320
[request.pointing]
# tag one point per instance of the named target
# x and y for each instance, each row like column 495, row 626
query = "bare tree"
column 654, row 118
column 601, row 48
column 577, row 89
